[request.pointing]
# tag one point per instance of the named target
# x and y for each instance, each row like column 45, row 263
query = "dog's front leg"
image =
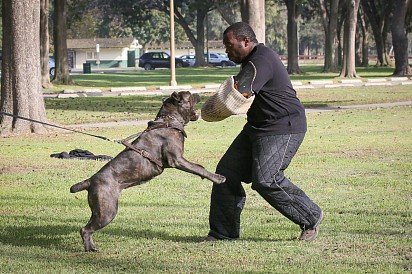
column 183, row 164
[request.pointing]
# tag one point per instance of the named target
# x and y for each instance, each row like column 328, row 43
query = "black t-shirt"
column 275, row 109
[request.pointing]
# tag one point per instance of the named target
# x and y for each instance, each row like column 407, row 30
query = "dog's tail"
column 80, row 186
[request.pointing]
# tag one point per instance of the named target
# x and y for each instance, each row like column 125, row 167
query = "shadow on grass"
column 139, row 104
column 322, row 104
column 159, row 77
column 149, row 234
column 41, row 236
column 133, row 104
column 55, row 236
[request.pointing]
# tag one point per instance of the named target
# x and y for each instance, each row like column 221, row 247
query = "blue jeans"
column 260, row 161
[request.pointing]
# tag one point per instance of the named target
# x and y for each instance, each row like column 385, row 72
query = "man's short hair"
column 241, row 30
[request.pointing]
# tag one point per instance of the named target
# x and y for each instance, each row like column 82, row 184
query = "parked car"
column 152, row 60
column 191, row 59
column 223, row 55
column 218, row 59
column 52, row 67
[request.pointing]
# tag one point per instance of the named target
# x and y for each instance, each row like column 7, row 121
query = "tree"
column 190, row 15
column 228, row 10
column 95, row 18
column 216, row 24
column 362, row 40
column 400, row 38
column 199, row 41
column 21, row 91
column 348, row 66
column 378, row 13
column 294, row 10
column 44, row 43
column 311, row 42
column 329, row 14
column 60, row 45
column 276, row 32
column 253, row 13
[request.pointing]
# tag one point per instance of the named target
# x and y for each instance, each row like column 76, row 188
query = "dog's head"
column 181, row 104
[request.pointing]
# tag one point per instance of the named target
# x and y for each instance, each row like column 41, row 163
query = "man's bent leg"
column 272, row 155
column 228, row 199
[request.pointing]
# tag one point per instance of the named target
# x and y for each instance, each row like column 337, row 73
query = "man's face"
column 236, row 50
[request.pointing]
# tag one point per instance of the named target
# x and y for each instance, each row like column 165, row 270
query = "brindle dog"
column 160, row 146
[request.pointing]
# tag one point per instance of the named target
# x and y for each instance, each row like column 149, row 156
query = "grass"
column 356, row 164
column 197, row 77
column 97, row 109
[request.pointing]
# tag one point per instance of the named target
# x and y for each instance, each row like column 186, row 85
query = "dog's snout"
column 194, row 117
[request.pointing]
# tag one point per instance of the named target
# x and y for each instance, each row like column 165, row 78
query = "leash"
column 124, row 142
column 65, row 128
column 144, row 153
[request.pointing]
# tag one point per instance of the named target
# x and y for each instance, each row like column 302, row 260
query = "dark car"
column 152, row 60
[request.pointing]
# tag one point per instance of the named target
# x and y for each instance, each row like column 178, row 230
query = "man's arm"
column 244, row 80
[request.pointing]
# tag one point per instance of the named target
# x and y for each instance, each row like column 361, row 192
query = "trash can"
column 87, row 68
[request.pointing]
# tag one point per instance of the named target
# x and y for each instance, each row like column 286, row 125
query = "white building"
column 103, row 52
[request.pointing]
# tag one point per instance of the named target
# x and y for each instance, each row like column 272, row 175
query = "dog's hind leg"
column 103, row 205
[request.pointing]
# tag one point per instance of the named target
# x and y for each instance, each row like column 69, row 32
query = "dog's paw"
column 219, row 179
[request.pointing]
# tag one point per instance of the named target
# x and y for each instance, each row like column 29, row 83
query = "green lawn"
column 356, row 164
column 197, row 77
column 98, row 109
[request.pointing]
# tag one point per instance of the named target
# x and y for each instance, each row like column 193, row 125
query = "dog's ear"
column 175, row 97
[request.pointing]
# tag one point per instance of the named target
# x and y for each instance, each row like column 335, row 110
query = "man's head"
column 239, row 40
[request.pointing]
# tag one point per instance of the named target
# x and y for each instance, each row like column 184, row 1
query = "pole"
column 172, row 45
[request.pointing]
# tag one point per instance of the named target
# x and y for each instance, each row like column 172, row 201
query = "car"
column 191, row 59
column 52, row 67
column 219, row 59
column 223, row 55
column 152, row 60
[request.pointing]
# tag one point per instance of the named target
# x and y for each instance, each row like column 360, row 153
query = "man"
column 275, row 128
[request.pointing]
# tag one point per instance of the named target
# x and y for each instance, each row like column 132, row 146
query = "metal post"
column 98, row 56
column 172, row 45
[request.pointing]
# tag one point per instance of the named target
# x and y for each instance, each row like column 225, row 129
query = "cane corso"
column 158, row 147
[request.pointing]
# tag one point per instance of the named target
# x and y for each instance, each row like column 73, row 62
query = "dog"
column 158, row 147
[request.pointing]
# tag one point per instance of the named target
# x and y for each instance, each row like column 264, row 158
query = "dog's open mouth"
column 195, row 99
column 194, row 117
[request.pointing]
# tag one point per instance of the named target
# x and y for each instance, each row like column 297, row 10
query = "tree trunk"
column 365, row 38
column 21, row 91
column 329, row 16
column 200, row 41
column 253, row 13
column 358, row 49
column 348, row 66
column 292, row 30
column 199, row 46
column 400, row 38
column 44, row 43
column 378, row 12
column 62, row 75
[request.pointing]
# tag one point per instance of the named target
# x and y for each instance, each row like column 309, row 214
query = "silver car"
column 191, row 59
